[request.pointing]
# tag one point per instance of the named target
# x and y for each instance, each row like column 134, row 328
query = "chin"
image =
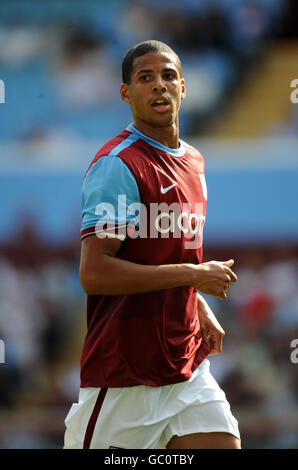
column 163, row 121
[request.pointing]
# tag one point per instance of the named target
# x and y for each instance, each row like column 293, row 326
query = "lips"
column 160, row 103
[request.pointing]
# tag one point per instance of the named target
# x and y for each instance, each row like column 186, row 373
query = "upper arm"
column 109, row 188
column 93, row 249
column 104, row 216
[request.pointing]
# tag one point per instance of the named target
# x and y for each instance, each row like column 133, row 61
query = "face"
column 155, row 90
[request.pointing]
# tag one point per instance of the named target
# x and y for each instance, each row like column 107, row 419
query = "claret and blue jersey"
column 154, row 199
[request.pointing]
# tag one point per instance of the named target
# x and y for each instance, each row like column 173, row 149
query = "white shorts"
column 143, row 417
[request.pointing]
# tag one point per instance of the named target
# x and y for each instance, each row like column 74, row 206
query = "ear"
column 124, row 93
column 183, row 89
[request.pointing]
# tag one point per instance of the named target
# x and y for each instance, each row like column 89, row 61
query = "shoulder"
column 110, row 148
column 126, row 146
column 193, row 151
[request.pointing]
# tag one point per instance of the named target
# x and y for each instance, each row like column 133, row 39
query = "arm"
column 102, row 273
column 212, row 332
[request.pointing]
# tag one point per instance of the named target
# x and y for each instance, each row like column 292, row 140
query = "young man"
column 144, row 374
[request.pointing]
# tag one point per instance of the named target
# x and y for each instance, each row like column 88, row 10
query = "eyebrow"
column 150, row 70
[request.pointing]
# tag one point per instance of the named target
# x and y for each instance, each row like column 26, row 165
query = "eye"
column 169, row 76
column 144, row 78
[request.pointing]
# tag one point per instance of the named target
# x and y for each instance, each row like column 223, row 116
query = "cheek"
column 177, row 98
column 177, row 93
column 138, row 102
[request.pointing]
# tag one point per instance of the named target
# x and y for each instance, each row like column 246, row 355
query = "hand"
column 214, row 277
column 212, row 332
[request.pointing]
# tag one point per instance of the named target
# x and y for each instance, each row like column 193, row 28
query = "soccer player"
column 145, row 375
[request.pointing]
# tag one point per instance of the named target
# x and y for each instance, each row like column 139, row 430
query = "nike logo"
column 165, row 190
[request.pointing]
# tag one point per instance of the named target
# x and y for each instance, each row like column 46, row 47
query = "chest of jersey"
column 173, row 194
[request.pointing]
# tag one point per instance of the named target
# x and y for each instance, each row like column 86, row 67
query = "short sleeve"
column 109, row 192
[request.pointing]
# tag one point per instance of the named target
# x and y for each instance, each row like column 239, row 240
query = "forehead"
column 155, row 61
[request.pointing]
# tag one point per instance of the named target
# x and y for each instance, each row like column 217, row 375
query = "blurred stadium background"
column 60, row 64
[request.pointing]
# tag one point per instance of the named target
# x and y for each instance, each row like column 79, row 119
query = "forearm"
column 203, row 307
column 103, row 273
column 115, row 276
column 207, row 316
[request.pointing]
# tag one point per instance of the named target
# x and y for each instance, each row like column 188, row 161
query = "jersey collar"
column 179, row 152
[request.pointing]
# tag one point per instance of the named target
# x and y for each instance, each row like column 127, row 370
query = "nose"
column 159, row 86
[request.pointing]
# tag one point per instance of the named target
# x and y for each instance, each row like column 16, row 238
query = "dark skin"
column 155, row 76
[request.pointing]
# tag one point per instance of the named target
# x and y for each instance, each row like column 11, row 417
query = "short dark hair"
column 140, row 49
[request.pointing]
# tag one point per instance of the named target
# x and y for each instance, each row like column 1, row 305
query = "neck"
column 168, row 136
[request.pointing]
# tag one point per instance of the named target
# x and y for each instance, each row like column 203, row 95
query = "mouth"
column 160, row 104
